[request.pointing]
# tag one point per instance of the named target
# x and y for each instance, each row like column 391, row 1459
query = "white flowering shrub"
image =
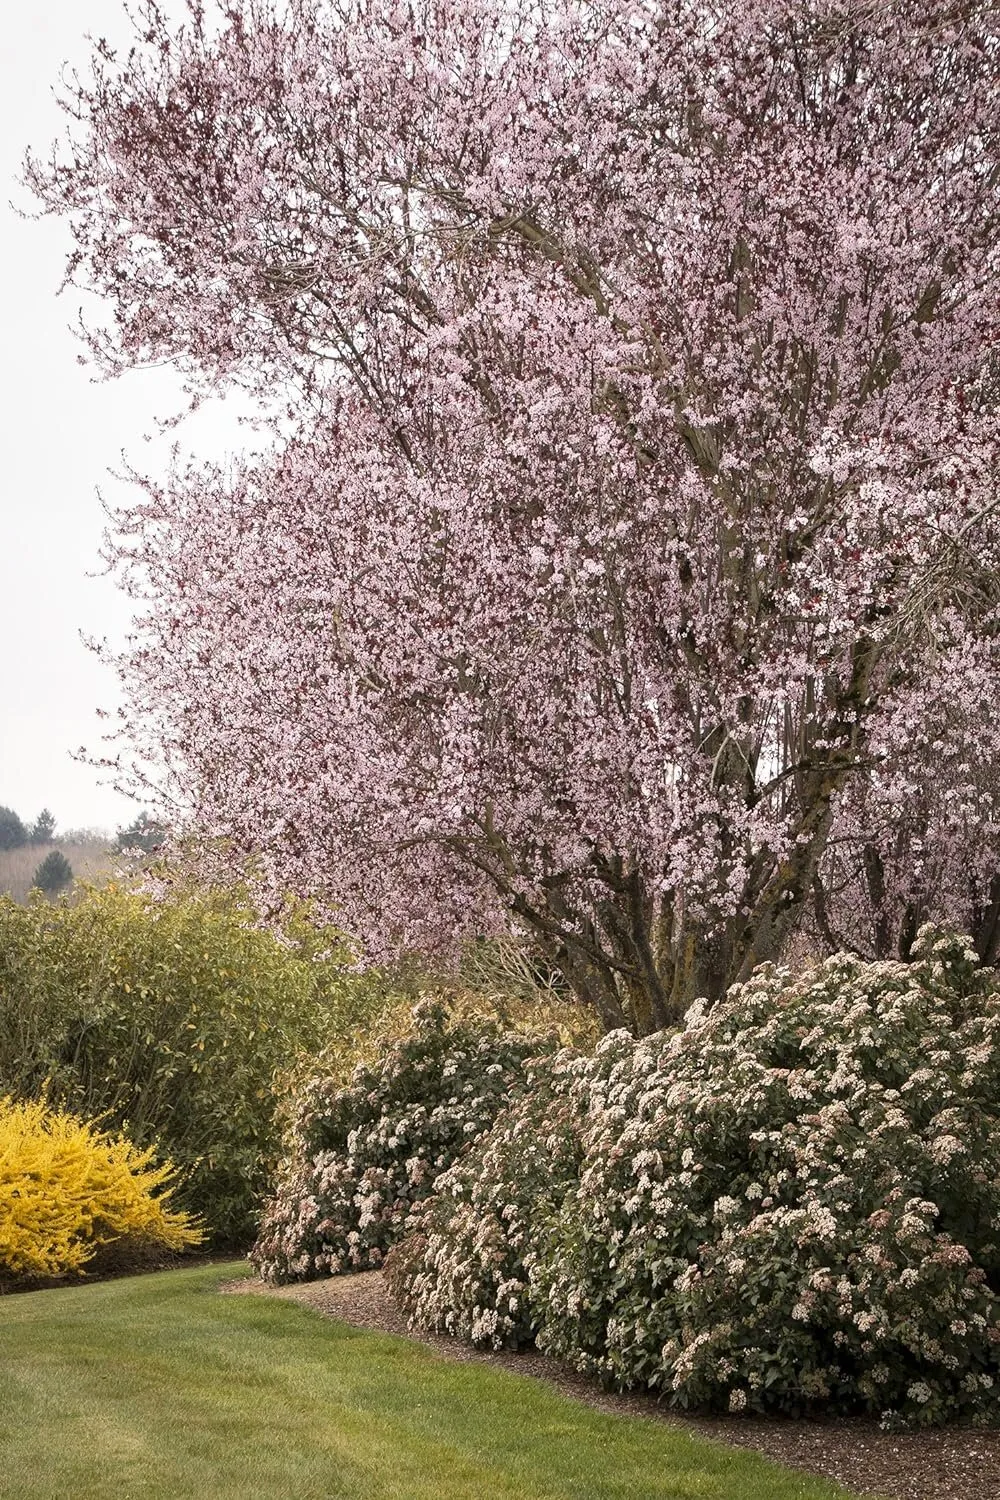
column 462, row 1266
column 792, row 1204
column 364, row 1154
column 795, row 1201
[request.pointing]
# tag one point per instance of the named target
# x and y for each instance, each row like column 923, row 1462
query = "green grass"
column 157, row 1387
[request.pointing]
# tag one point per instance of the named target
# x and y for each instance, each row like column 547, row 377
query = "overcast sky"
column 61, row 433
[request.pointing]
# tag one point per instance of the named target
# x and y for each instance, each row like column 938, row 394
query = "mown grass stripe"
column 157, row 1387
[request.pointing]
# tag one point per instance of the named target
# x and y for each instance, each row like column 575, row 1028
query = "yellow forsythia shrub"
column 67, row 1188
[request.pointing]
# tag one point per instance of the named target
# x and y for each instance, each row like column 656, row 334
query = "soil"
column 953, row 1463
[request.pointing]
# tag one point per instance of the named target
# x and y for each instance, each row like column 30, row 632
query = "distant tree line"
column 54, row 872
column 14, row 834
column 143, row 833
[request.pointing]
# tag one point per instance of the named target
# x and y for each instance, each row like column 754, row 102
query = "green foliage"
column 43, row 828
column 54, row 873
column 12, row 831
column 143, row 833
column 791, row 1204
column 176, row 1021
column 365, row 1151
column 36, row 1006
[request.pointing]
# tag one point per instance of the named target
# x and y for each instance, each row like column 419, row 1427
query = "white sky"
column 60, row 434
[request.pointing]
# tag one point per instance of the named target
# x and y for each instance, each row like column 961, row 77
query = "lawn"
column 157, row 1387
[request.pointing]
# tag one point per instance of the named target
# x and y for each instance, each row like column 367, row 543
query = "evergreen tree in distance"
column 143, row 833
column 54, row 873
column 44, row 827
column 12, row 831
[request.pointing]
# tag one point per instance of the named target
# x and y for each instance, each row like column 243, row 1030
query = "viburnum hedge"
column 462, row 1268
column 363, row 1154
column 791, row 1204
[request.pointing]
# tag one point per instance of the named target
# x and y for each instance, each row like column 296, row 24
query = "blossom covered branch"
column 626, row 562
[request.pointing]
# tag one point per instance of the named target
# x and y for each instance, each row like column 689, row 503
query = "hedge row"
column 177, row 1021
column 792, row 1204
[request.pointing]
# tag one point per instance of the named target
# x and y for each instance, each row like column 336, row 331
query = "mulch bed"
column 949, row 1464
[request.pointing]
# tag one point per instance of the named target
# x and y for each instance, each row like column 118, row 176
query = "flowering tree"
column 625, row 563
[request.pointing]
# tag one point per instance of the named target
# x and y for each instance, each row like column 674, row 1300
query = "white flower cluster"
column 364, row 1155
column 464, row 1268
column 791, row 1203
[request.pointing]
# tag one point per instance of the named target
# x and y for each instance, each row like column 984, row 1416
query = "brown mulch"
column 950, row 1464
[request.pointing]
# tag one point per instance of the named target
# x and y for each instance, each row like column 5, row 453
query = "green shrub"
column 173, row 1020
column 792, row 1204
column 36, row 1007
column 364, row 1152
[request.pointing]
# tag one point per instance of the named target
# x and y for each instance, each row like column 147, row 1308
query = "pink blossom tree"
column 624, row 566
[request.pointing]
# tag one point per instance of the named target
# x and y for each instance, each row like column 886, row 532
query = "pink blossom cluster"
column 624, row 564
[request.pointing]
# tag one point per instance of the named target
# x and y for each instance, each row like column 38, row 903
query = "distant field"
column 92, row 860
